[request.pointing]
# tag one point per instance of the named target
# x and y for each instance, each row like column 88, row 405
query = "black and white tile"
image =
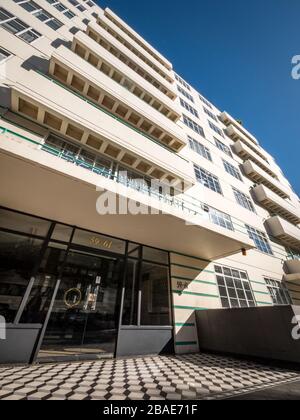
column 190, row 377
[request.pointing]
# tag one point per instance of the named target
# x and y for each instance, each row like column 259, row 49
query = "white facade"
column 93, row 81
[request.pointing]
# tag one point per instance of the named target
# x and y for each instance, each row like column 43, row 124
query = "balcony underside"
column 257, row 175
column 284, row 231
column 83, row 122
column 276, row 204
column 57, row 190
column 292, row 267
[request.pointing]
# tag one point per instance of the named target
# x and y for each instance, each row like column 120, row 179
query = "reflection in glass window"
column 278, row 292
column 155, row 305
column 18, row 256
column 23, row 223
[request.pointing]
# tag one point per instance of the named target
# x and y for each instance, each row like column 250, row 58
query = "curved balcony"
column 259, row 176
column 77, row 74
column 228, row 120
column 245, row 152
column 284, row 231
column 137, row 38
column 64, row 112
column 277, row 205
column 68, row 189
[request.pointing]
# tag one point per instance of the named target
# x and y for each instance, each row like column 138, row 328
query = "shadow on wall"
column 36, row 63
column 58, row 42
column 266, row 332
column 193, row 286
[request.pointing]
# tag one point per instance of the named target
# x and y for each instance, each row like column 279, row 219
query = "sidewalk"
column 190, row 377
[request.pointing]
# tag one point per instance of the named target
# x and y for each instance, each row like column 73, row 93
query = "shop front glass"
column 71, row 282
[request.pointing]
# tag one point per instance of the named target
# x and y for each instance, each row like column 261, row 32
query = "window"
column 207, row 179
column 221, row 146
column 231, row 170
column 61, row 8
column 4, row 54
column 205, row 101
column 147, row 292
column 185, row 93
column 279, row 292
column 199, row 148
column 194, row 126
column 189, row 108
column 180, row 80
column 260, row 240
column 210, row 114
column 218, row 217
column 234, row 288
column 40, row 13
column 216, row 129
column 17, row 27
column 243, row 200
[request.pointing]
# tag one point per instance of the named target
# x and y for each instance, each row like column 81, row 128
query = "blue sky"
column 238, row 54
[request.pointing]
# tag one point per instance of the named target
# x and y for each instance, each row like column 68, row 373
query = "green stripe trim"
column 193, row 280
column 184, row 324
column 179, row 292
column 190, row 307
column 186, row 343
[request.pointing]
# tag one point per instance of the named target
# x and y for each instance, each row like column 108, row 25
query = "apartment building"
column 87, row 108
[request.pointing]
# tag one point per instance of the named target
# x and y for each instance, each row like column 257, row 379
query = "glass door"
column 85, row 315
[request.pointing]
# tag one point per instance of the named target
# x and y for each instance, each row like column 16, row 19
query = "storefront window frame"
column 48, row 239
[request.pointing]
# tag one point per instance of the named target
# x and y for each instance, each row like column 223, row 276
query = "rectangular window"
column 4, row 54
column 234, row 288
column 205, row 101
column 189, row 108
column 40, row 13
column 180, row 80
column 221, row 146
column 61, row 8
column 185, row 93
column 199, row 148
column 210, row 114
column 147, row 291
column 260, row 239
column 243, row 200
column 216, row 129
column 207, row 179
column 232, row 170
column 218, row 217
column 17, row 27
column 278, row 292
column 193, row 125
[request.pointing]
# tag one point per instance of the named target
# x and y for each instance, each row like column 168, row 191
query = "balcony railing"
column 188, row 205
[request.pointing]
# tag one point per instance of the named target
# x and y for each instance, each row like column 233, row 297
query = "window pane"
column 14, row 26
column 155, row 305
column 23, row 223
column 18, row 256
column 155, row 255
column 131, row 293
column 42, row 291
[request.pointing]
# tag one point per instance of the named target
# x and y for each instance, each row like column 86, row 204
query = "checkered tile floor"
column 190, row 377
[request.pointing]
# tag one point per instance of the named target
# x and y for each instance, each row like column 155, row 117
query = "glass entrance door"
column 85, row 316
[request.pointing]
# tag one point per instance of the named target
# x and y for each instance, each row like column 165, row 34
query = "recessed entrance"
column 85, row 317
